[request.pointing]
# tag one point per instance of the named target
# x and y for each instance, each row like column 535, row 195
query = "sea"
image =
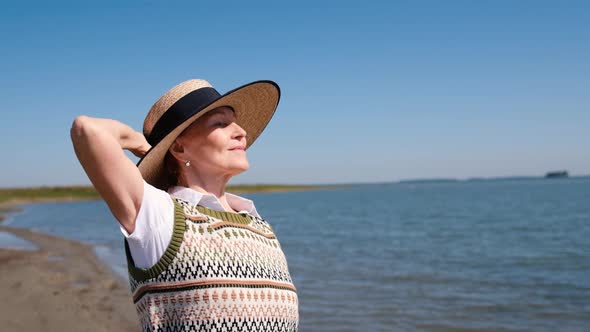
column 486, row 255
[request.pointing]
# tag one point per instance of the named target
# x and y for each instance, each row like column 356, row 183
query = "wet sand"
column 61, row 287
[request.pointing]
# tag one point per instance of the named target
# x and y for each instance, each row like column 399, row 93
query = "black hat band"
column 180, row 111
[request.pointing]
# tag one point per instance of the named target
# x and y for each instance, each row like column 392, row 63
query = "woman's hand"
column 138, row 145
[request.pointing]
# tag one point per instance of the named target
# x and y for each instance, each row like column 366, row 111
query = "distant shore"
column 11, row 198
column 483, row 179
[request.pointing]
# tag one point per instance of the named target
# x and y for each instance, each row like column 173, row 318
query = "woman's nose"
column 238, row 130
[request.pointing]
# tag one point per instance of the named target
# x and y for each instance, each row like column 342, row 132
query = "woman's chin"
column 240, row 168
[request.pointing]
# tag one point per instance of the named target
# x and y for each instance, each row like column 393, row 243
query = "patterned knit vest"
column 222, row 271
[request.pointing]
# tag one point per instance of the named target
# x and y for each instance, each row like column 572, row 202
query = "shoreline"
column 61, row 286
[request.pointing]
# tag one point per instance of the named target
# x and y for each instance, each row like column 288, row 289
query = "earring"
column 188, row 163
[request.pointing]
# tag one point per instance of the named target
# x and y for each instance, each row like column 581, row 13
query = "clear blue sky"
column 372, row 91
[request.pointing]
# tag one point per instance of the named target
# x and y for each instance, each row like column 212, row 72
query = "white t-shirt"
column 155, row 219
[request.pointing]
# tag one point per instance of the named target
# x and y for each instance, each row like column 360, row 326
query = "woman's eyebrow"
column 222, row 112
column 219, row 116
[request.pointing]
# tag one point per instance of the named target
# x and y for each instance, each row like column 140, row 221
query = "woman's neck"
column 212, row 185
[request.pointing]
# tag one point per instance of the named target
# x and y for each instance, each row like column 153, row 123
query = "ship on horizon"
column 557, row 174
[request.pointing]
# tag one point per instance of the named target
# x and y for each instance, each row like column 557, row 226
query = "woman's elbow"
column 79, row 125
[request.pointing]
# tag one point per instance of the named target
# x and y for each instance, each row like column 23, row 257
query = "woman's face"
column 215, row 144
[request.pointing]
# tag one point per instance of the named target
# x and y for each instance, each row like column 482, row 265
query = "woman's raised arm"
column 99, row 145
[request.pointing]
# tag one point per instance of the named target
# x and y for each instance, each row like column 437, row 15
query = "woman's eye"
column 220, row 124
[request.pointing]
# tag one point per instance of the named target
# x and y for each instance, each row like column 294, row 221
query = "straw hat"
column 254, row 105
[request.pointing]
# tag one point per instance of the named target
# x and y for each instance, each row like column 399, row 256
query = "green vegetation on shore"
column 74, row 193
column 11, row 197
column 257, row 188
column 47, row 194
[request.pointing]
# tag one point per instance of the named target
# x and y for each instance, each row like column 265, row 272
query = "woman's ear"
column 177, row 150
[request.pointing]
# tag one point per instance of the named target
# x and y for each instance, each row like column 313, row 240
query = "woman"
column 199, row 259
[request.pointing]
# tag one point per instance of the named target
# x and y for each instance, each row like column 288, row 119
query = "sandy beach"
column 61, row 287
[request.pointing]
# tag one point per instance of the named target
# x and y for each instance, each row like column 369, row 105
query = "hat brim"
column 254, row 105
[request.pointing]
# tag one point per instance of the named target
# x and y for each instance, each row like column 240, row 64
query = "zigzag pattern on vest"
column 222, row 271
